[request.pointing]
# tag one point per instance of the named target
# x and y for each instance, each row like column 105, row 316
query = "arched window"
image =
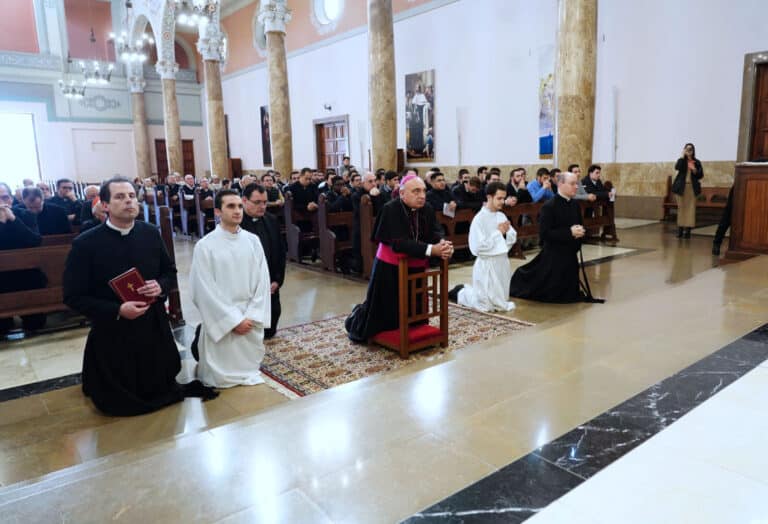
column 326, row 14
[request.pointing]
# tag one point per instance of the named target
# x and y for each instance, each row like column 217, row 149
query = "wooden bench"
column 601, row 215
column 50, row 258
column 295, row 238
column 151, row 206
column 328, row 225
column 204, row 220
column 420, row 296
column 449, row 224
column 711, row 199
column 525, row 220
column 187, row 210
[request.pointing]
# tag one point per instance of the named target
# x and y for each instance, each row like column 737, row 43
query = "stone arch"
column 257, row 31
column 160, row 16
column 189, row 50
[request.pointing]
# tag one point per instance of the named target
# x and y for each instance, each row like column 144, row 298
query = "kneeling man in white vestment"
column 230, row 287
column 490, row 238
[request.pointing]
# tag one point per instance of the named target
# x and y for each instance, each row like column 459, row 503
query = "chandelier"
column 192, row 13
column 94, row 74
column 131, row 53
column 71, row 90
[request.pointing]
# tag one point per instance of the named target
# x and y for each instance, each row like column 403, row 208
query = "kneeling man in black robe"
column 405, row 228
column 131, row 360
column 553, row 276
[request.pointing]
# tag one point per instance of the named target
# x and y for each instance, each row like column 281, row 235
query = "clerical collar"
column 123, row 231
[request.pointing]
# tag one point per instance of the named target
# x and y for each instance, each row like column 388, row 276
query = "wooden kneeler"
column 429, row 289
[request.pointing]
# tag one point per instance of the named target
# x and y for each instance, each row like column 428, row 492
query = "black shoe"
column 679, row 232
column 687, row 233
column 453, row 294
column 716, row 249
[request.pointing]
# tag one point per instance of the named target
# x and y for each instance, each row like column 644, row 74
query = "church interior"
column 640, row 401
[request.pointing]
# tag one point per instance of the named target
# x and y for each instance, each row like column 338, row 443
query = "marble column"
column 211, row 48
column 382, row 104
column 575, row 68
column 274, row 14
column 136, row 85
column 167, row 72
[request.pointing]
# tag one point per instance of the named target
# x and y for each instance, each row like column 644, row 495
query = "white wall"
column 675, row 68
column 91, row 151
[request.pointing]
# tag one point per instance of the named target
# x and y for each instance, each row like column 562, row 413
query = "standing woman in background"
column 686, row 187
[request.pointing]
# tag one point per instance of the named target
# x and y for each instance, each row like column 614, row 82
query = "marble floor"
column 383, row 448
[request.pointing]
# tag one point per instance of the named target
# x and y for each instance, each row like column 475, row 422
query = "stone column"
column 167, row 72
column 382, row 104
column 274, row 14
column 211, row 47
column 575, row 82
column 140, row 131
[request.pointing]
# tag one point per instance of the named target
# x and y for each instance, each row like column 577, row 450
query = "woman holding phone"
column 686, row 187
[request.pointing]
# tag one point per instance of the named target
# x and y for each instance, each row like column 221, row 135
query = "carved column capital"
column 275, row 15
column 167, row 70
column 211, row 45
column 136, row 84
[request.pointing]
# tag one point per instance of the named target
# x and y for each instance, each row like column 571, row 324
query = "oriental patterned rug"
column 311, row 357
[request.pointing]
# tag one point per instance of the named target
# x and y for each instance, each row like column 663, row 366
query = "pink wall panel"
column 17, row 27
column 82, row 15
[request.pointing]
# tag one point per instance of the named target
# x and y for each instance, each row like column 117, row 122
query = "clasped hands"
column 443, row 249
column 6, row 214
column 504, row 227
column 577, row 231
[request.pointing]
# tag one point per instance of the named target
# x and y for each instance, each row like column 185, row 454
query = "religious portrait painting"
column 266, row 143
column 420, row 116
column 546, row 101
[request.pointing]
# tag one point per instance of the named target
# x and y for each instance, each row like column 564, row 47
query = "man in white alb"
column 230, row 287
column 490, row 238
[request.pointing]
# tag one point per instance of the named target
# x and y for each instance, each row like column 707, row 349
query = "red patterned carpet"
column 312, row 357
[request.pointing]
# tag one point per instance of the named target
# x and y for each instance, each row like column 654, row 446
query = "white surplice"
column 229, row 283
column 491, row 273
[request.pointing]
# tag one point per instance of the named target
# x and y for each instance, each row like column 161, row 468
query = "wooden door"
column 162, row 160
column 332, row 141
column 759, row 150
column 188, row 157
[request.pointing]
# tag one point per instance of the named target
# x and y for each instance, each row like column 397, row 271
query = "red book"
column 126, row 285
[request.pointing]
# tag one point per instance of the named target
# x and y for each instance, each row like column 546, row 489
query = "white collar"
column 123, row 231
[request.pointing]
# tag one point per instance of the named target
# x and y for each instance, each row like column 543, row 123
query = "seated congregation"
column 379, row 219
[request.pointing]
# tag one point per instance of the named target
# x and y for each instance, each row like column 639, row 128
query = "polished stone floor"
column 384, row 448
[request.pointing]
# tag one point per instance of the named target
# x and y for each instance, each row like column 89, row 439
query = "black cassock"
column 553, row 276
column 129, row 366
column 405, row 231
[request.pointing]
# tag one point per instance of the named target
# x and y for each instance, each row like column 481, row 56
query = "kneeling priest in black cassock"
column 404, row 228
column 131, row 360
column 553, row 276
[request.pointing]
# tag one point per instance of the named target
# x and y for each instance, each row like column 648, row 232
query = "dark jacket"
column 522, row 195
column 267, row 229
column 597, row 189
column 678, row 185
column 468, row 200
column 437, row 198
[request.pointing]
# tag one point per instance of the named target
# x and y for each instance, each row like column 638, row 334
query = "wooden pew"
column 186, row 211
column 367, row 246
column 463, row 216
column 58, row 240
column 601, row 216
column 525, row 220
column 203, row 219
column 330, row 245
column 711, row 199
column 48, row 259
column 174, row 299
column 151, row 207
column 296, row 238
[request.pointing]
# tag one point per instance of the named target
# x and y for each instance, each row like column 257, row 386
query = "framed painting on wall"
column 420, row 116
column 266, row 143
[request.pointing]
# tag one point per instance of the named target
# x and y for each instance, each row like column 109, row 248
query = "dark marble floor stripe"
column 44, row 386
column 519, row 490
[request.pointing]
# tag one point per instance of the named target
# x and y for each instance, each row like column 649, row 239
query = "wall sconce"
column 327, row 107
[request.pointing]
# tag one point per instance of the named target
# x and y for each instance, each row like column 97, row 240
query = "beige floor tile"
column 251, row 399
column 18, row 410
column 292, row 506
column 372, row 490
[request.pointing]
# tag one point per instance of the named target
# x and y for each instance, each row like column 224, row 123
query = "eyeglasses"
column 258, row 202
column 67, row 187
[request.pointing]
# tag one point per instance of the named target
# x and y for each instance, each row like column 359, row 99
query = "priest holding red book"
column 131, row 359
